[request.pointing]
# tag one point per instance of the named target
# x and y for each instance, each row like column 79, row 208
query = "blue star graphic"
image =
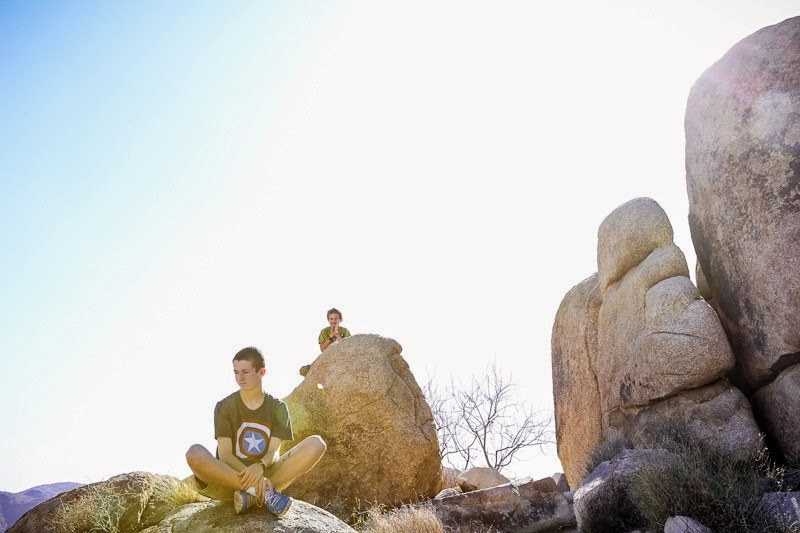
column 253, row 441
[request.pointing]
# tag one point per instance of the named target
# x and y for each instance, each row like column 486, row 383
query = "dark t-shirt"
column 250, row 430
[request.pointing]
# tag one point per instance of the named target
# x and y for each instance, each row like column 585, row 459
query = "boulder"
column 523, row 506
column 602, row 503
column 628, row 236
column 362, row 399
column 630, row 341
column 480, row 477
column 742, row 131
column 127, row 502
column 656, row 335
column 213, row 517
column 778, row 405
column 144, row 502
column 576, row 392
column 717, row 416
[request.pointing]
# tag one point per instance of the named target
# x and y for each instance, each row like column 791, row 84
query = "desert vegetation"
column 721, row 492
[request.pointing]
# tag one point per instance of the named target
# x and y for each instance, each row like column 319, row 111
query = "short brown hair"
column 251, row 354
column 333, row 310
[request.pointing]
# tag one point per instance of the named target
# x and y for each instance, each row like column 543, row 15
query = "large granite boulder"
column 144, row 502
column 634, row 343
column 743, row 178
column 576, row 392
column 127, row 502
column 362, row 399
column 656, row 335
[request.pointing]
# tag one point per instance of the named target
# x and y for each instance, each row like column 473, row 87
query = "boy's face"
column 247, row 377
column 334, row 319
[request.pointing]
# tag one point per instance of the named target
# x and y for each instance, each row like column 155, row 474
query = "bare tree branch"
column 482, row 420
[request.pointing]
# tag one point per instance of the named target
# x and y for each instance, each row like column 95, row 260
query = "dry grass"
column 419, row 519
column 721, row 491
column 176, row 494
column 96, row 510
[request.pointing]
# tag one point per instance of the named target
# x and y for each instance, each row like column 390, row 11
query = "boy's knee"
column 194, row 455
column 316, row 443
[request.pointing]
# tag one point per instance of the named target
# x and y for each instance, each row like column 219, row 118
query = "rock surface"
column 718, row 415
column 632, row 340
column 576, row 393
column 785, row 506
column 140, row 501
column 603, row 503
column 778, row 405
column 743, row 178
column 524, row 506
column 656, row 336
column 480, row 477
column 683, row 524
column 362, row 399
column 212, row 517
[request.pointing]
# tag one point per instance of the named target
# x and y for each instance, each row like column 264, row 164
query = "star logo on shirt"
column 254, row 444
column 251, row 440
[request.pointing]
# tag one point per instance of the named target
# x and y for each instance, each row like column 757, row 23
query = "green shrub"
column 606, row 451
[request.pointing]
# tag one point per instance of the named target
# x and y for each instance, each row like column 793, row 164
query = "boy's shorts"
column 211, row 490
column 225, row 494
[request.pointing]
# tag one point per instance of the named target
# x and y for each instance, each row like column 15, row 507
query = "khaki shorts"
column 223, row 493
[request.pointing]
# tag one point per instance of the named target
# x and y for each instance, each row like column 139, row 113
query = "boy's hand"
column 263, row 486
column 251, row 475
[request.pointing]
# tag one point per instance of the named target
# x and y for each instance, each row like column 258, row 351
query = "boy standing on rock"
column 249, row 426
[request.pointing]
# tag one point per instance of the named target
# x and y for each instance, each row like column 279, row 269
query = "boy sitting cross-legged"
column 249, row 426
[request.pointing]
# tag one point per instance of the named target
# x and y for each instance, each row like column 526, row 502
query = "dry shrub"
column 176, row 493
column 606, row 451
column 719, row 490
column 416, row 518
column 96, row 510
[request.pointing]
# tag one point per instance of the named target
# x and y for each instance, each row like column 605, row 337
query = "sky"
column 179, row 180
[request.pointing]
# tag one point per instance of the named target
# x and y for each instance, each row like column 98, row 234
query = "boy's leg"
column 221, row 480
column 296, row 462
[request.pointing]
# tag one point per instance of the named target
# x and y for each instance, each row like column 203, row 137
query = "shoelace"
column 271, row 496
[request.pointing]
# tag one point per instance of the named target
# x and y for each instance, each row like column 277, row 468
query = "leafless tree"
column 482, row 423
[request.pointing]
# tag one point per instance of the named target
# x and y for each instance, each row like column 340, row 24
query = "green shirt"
column 325, row 334
column 251, row 429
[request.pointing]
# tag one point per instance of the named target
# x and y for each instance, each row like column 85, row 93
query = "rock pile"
column 636, row 345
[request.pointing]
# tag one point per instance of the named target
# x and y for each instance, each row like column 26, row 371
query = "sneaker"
column 242, row 501
column 277, row 503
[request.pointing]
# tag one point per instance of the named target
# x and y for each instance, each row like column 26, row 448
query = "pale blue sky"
column 179, row 180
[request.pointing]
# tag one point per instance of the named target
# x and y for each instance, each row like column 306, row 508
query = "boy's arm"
column 225, row 448
column 250, row 475
column 273, row 451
